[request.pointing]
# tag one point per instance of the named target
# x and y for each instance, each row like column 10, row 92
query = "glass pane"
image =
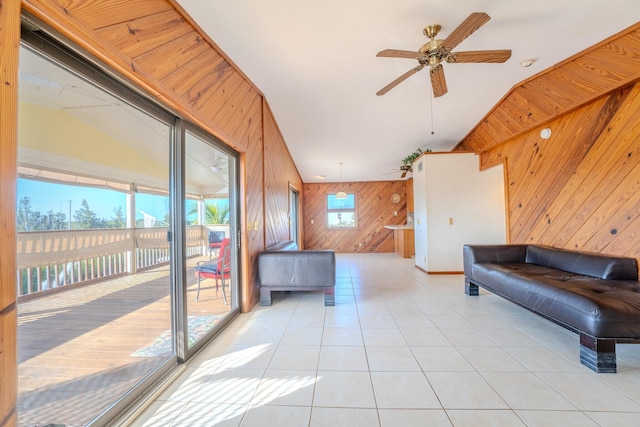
column 348, row 203
column 211, row 284
column 94, row 311
column 341, row 219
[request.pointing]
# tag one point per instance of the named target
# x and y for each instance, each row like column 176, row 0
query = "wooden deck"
column 81, row 349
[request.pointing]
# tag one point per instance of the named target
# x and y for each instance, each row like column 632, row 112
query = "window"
column 341, row 213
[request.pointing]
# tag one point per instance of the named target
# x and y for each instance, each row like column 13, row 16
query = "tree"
column 53, row 221
column 28, row 219
column 24, row 215
column 117, row 221
column 214, row 213
column 86, row 218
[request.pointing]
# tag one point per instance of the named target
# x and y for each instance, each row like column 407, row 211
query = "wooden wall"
column 374, row 210
column 579, row 188
column 280, row 173
column 559, row 90
column 9, row 42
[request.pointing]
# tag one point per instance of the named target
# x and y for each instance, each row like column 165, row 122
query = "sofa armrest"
column 491, row 253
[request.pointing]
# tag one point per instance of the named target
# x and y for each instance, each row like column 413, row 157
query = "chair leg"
column 198, row 288
column 224, row 293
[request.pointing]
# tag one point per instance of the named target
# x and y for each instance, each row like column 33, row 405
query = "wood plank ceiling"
column 575, row 82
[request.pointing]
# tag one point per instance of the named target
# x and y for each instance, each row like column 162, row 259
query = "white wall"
column 461, row 205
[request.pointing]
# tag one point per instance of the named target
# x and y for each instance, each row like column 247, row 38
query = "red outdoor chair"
column 218, row 269
column 215, row 241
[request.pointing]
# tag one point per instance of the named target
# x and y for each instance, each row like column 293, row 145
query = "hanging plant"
column 413, row 156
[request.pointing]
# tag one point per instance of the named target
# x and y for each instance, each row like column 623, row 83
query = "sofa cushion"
column 599, row 307
column 588, row 264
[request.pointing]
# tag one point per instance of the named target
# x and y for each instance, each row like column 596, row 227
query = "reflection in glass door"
column 211, row 242
column 95, row 303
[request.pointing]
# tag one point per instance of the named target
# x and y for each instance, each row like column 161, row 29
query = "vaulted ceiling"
column 316, row 64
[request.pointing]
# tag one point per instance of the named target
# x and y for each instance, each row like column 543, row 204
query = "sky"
column 45, row 196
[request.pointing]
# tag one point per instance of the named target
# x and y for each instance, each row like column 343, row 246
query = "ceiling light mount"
column 528, row 62
column 545, row 133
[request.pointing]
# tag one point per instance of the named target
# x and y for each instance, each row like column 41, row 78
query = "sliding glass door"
column 123, row 210
column 211, row 241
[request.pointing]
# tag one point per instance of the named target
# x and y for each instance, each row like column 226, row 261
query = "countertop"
column 399, row 226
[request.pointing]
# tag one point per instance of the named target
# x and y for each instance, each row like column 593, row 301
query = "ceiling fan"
column 404, row 169
column 434, row 52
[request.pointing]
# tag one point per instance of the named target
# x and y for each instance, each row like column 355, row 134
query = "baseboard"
column 438, row 272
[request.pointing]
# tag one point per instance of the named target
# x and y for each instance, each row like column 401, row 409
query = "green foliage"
column 118, row 220
column 85, row 218
column 214, row 212
column 29, row 220
column 413, row 156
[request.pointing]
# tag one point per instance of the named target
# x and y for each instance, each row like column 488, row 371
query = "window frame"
column 353, row 210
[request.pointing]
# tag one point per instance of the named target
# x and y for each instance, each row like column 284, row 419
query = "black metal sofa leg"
column 265, row 296
column 598, row 354
column 329, row 297
column 470, row 288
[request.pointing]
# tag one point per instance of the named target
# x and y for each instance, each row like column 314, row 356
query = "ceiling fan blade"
column 480, row 56
column 438, row 82
column 464, row 30
column 395, row 53
column 399, row 80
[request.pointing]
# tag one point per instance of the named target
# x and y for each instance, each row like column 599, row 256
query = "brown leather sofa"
column 282, row 267
column 595, row 295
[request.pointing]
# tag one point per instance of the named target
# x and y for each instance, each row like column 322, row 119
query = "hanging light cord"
column 431, row 105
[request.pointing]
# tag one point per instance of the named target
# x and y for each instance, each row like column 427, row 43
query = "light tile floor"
column 400, row 348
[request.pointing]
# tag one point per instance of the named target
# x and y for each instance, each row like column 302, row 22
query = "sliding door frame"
column 44, row 41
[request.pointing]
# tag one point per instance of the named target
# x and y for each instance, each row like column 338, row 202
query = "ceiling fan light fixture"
column 341, row 194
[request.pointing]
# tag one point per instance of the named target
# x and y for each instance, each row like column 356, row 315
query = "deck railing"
column 53, row 259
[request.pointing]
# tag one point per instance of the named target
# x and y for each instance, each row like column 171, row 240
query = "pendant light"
column 341, row 194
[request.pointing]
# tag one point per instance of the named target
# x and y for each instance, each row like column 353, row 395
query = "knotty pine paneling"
column 10, row 36
column 279, row 173
column 559, row 90
column 156, row 46
column 253, row 226
column 153, row 44
column 578, row 189
column 374, row 210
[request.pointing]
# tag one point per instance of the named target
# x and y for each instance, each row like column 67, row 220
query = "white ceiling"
column 46, row 84
column 315, row 61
